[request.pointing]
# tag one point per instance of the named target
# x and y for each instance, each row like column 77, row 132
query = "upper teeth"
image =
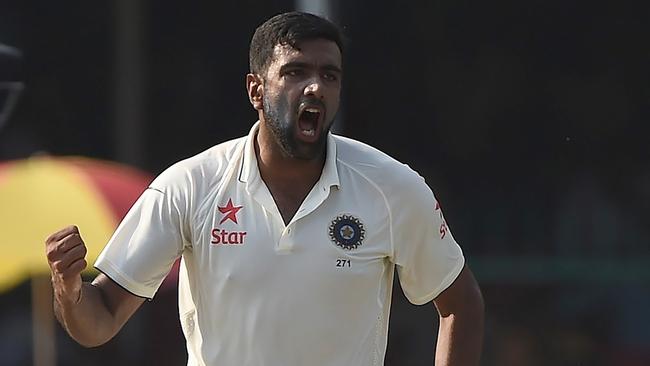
column 312, row 110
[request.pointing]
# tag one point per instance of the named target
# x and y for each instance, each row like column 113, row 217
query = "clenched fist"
column 66, row 254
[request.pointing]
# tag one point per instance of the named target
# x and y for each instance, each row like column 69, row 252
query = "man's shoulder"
column 371, row 162
column 216, row 155
column 397, row 183
column 202, row 167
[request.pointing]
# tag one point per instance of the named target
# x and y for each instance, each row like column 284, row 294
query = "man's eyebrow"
column 332, row 68
column 294, row 64
column 305, row 65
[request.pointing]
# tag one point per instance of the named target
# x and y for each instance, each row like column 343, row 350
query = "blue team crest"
column 347, row 232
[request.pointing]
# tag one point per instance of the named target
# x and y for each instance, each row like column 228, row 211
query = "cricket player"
column 289, row 236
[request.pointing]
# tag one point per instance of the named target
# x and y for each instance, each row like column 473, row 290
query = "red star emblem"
column 230, row 210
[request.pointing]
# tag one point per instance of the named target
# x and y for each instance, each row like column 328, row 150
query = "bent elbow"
column 90, row 342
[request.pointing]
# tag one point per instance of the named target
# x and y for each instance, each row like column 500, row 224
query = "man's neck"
column 278, row 168
column 288, row 179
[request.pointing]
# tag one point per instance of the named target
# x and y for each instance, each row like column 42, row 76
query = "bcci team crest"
column 347, row 232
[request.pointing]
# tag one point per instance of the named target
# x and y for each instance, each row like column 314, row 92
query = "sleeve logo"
column 443, row 226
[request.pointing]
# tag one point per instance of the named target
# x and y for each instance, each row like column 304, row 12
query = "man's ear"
column 255, row 89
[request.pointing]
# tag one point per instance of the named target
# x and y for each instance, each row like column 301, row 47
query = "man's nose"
column 314, row 88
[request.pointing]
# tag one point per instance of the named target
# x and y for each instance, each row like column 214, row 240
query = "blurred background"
column 527, row 118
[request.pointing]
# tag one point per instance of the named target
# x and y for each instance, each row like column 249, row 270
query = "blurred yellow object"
column 41, row 195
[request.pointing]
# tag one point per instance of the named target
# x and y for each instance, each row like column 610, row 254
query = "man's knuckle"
column 55, row 249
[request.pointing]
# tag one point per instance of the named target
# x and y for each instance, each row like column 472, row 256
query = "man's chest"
column 241, row 239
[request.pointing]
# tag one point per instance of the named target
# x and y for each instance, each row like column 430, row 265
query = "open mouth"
column 309, row 118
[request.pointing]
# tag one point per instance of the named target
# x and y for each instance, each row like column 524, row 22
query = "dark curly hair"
column 289, row 29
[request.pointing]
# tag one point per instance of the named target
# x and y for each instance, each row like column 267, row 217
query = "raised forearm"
column 88, row 321
column 91, row 313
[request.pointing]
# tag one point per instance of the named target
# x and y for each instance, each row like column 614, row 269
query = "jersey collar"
column 249, row 171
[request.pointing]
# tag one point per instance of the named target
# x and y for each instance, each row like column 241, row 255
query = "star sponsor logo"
column 230, row 212
column 347, row 232
column 222, row 236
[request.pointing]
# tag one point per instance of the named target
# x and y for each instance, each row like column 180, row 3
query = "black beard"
column 283, row 127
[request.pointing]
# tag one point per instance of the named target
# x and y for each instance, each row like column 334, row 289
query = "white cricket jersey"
column 254, row 291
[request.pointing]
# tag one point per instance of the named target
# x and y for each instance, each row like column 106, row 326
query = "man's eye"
column 330, row 76
column 294, row 73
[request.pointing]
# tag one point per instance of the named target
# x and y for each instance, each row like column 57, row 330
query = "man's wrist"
column 65, row 296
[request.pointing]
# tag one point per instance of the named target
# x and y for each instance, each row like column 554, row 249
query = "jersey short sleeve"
column 149, row 239
column 427, row 257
